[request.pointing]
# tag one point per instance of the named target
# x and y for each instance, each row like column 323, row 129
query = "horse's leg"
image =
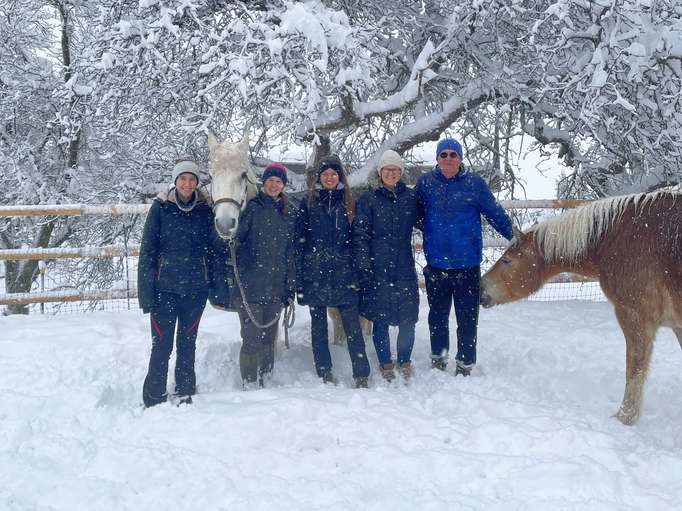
column 678, row 333
column 639, row 336
column 338, row 333
column 366, row 326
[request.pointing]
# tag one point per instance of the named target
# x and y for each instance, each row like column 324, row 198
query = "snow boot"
column 328, row 377
column 387, row 372
column 439, row 363
column 406, row 370
column 248, row 367
column 464, row 370
column 361, row 382
column 266, row 363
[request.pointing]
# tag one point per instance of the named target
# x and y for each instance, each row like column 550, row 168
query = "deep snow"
column 531, row 429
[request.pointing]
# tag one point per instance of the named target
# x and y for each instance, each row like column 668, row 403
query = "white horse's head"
column 232, row 182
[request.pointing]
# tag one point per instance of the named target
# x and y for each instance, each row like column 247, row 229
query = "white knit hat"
column 390, row 158
column 185, row 165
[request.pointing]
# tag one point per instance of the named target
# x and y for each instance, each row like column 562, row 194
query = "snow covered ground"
column 531, row 429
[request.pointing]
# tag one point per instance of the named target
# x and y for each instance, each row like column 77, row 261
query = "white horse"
column 233, row 183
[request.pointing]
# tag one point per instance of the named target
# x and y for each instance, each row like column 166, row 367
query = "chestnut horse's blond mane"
column 568, row 236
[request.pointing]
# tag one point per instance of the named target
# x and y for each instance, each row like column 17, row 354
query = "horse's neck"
column 585, row 265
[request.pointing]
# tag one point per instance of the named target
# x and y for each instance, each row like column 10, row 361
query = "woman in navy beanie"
column 326, row 275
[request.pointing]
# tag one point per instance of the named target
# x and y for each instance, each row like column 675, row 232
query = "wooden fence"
column 109, row 251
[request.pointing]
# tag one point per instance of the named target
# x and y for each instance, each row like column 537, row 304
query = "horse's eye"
column 505, row 260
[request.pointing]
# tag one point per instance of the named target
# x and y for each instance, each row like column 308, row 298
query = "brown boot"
column 387, row 372
column 406, row 370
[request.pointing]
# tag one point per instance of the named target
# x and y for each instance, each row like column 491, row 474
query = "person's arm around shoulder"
column 493, row 211
column 148, row 262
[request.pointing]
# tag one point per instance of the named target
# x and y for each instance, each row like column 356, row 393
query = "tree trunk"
column 19, row 275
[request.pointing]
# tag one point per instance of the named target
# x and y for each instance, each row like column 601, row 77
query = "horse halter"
column 238, row 203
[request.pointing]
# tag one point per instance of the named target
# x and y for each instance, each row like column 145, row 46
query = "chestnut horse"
column 633, row 245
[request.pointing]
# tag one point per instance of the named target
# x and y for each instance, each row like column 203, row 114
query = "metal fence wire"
column 120, row 272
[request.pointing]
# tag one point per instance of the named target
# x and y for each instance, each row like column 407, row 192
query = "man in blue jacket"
column 454, row 200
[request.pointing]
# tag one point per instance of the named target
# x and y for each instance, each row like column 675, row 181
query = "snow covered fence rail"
column 132, row 250
column 70, row 252
column 141, row 209
column 67, row 296
column 74, row 210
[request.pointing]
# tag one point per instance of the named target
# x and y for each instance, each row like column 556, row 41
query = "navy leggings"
column 186, row 311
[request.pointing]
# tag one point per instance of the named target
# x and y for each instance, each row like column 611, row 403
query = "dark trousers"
column 257, row 354
column 186, row 311
column 382, row 342
column 442, row 288
column 355, row 340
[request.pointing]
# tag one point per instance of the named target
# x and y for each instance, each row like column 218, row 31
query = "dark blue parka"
column 176, row 254
column 325, row 270
column 452, row 218
column 382, row 239
column 265, row 250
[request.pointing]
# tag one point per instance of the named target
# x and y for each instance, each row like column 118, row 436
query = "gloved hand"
column 299, row 295
column 288, row 298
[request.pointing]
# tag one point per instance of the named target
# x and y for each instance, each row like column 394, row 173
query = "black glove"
column 288, row 298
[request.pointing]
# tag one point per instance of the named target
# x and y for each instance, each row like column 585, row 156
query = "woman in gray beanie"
column 382, row 239
column 175, row 272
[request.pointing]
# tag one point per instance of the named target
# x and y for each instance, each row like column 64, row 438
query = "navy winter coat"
column 176, row 254
column 265, row 251
column 382, row 238
column 325, row 270
column 452, row 218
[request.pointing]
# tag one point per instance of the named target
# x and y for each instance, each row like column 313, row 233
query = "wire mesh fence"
column 119, row 273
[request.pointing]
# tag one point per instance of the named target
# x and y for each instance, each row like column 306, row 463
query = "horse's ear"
column 244, row 142
column 517, row 232
column 212, row 141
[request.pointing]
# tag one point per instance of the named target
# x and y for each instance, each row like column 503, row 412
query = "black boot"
column 248, row 367
column 266, row 362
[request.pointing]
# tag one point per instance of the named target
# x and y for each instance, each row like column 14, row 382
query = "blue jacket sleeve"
column 493, row 212
column 148, row 263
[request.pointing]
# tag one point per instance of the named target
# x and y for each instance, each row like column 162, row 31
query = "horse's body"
column 633, row 245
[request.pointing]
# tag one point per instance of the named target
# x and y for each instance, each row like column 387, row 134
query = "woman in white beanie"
column 175, row 272
column 382, row 238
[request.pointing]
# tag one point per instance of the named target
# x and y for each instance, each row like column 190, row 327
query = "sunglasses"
column 446, row 154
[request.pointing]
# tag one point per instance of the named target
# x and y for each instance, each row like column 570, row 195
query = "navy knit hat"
column 275, row 169
column 331, row 161
column 452, row 144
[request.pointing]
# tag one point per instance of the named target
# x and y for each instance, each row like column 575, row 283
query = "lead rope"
column 289, row 309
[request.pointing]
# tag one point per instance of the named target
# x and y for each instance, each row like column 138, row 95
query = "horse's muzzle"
column 484, row 298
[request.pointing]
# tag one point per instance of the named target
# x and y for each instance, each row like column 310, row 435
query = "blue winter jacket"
column 452, row 218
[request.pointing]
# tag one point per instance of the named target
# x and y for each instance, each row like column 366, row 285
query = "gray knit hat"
column 390, row 158
column 183, row 165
